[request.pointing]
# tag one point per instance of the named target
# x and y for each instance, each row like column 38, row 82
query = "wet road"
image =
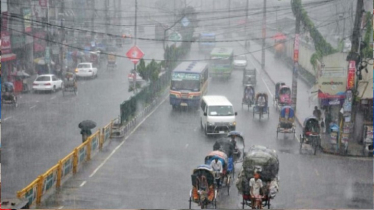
column 44, row 127
column 152, row 167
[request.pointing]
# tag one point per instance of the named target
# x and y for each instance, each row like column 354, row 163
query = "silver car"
column 240, row 62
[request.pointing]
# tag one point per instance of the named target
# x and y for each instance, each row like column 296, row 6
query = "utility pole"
column 135, row 27
column 296, row 60
column 62, row 12
column 263, row 36
column 246, row 26
column 230, row 13
column 356, row 29
column 106, row 17
column 93, row 16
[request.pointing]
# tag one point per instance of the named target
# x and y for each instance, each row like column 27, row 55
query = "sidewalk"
column 279, row 71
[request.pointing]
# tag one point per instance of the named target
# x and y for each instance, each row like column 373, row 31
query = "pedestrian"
column 317, row 113
column 328, row 119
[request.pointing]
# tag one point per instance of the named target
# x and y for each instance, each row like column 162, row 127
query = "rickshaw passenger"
column 261, row 102
column 311, row 127
column 255, row 184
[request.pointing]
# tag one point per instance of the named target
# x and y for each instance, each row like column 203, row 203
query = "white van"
column 217, row 115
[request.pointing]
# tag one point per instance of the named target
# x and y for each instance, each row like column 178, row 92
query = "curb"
column 324, row 150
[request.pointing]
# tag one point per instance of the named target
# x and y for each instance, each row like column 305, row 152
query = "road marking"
column 186, row 146
column 316, row 172
column 267, row 87
column 60, row 207
column 7, row 118
column 83, row 183
column 297, row 138
column 114, row 151
column 53, row 97
column 33, row 107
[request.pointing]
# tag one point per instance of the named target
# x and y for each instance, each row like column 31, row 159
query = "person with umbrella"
column 86, row 127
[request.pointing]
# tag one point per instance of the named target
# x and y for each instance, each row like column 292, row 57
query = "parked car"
column 47, row 82
column 86, row 70
column 240, row 62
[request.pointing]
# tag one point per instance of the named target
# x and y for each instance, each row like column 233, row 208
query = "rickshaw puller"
column 217, row 167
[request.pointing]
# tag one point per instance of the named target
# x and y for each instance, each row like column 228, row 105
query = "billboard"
column 332, row 84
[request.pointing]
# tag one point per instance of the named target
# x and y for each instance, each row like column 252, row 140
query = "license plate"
column 183, row 104
column 222, row 132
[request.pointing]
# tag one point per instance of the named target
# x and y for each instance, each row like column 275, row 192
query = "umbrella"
column 41, row 61
column 279, row 36
column 22, row 74
column 87, row 124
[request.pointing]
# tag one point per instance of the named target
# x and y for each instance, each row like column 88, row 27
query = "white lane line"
column 316, row 172
column 7, row 118
column 186, row 146
column 297, row 138
column 114, row 151
column 53, row 97
column 60, row 207
column 267, row 87
column 83, row 183
column 33, row 107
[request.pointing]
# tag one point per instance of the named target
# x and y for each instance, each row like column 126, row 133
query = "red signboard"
column 135, row 54
column 5, row 42
column 39, row 41
column 43, row 3
column 4, row 21
column 296, row 55
column 351, row 75
column 296, row 48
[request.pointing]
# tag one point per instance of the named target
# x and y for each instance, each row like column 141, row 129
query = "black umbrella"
column 87, row 124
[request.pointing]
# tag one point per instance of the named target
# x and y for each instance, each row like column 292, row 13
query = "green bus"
column 221, row 62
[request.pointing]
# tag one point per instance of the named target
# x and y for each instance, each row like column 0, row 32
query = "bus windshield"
column 190, row 85
column 220, row 111
column 221, row 61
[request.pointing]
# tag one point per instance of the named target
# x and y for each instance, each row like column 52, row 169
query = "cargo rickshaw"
column 311, row 134
column 248, row 96
column 227, row 171
column 286, row 121
column 8, row 95
column 261, row 105
column 203, row 190
column 264, row 161
column 112, row 65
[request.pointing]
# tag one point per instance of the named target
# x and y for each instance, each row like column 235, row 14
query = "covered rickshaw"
column 70, row 83
column 226, row 172
column 248, row 96
column 112, row 64
column 249, row 76
column 276, row 93
column 264, row 161
column 261, row 105
column 283, row 98
column 311, row 134
column 286, row 121
column 203, row 190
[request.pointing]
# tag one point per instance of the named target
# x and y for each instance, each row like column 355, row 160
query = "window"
column 54, row 78
column 43, row 79
column 203, row 105
column 185, row 85
column 220, row 111
column 84, row 65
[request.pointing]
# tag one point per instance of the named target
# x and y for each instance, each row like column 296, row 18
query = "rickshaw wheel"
column 301, row 145
column 228, row 185
column 190, row 200
column 243, row 202
column 268, row 202
column 314, row 147
column 215, row 203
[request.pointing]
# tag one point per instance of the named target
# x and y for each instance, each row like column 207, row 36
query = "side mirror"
column 205, row 114
column 236, row 113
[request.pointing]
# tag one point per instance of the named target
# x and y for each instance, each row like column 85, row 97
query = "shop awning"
column 41, row 61
column 8, row 57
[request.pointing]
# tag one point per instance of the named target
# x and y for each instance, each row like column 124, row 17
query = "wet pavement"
column 151, row 168
column 44, row 127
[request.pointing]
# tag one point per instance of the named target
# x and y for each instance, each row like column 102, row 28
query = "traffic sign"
column 135, row 54
column 185, row 22
column 175, row 36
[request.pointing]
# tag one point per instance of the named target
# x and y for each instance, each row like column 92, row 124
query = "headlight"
column 233, row 123
column 76, row 70
column 177, row 95
column 210, row 123
column 190, row 97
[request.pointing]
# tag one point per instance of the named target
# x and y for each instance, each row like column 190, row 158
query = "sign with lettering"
column 185, row 76
column 26, row 19
column 351, row 75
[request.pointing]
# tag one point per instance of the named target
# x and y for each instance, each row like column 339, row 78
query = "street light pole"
column 135, row 33
column 263, row 36
column 246, row 26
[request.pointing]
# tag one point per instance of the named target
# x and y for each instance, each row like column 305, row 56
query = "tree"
column 153, row 68
column 141, row 68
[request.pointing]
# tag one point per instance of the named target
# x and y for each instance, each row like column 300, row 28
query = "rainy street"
column 151, row 167
column 158, row 174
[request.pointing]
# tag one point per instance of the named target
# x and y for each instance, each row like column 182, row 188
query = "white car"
column 138, row 78
column 47, row 82
column 240, row 62
column 86, row 70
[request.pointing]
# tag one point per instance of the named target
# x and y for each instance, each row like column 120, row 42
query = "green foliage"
column 149, row 72
column 368, row 50
column 322, row 47
column 141, row 68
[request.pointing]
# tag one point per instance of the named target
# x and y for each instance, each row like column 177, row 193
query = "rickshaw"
column 311, row 134
column 203, row 189
column 70, row 84
column 276, row 94
column 111, row 62
column 226, row 172
column 249, row 77
column 286, row 121
column 95, row 57
column 248, row 98
column 8, row 96
column 261, row 107
column 284, row 97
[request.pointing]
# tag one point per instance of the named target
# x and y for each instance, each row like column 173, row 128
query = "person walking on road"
column 317, row 113
column 328, row 119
